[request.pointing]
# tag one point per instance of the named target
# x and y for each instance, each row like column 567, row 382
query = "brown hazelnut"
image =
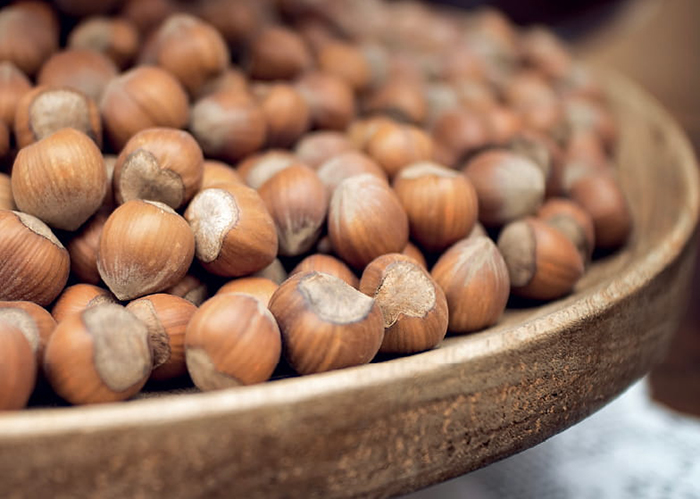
column 46, row 110
column 278, row 53
column 297, row 201
column 440, row 203
column 571, row 220
column 326, row 323
column 166, row 317
column 401, row 99
column 257, row 287
column 542, row 262
column 28, row 36
column 535, row 100
column 543, row 50
column 6, row 200
column 191, row 288
column 236, row 20
column 159, row 164
column 145, row 247
column 35, row 265
column 99, row 355
column 84, row 70
column 411, row 250
column 345, row 165
column 34, row 321
column 590, row 115
column 228, row 125
column 361, row 131
column 147, row 15
column 18, row 368
column 546, row 153
column 474, row 277
column 275, row 272
column 366, row 220
column 234, row 233
column 584, row 152
column 509, row 186
column 115, row 37
column 461, row 131
column 61, row 179
column 216, row 172
column 345, row 61
column 327, row 264
column 330, row 99
column 143, row 97
column 396, row 147
column 191, row 50
column 287, row 114
column 82, row 248
column 78, row 297
column 316, row 148
column 502, row 124
column 258, row 168
column 231, row 340
column 232, row 79
column 13, row 85
column 413, row 305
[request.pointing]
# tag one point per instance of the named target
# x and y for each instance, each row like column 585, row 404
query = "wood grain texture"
column 395, row 426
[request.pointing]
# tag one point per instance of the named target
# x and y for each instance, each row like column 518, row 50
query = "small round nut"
column 571, row 220
column 115, row 37
column 13, row 85
column 82, row 248
column 287, row 115
column 216, row 172
column 191, row 288
column 316, row 148
column 78, row 297
column 34, row 321
column 261, row 288
column 394, row 147
column 278, row 53
column 345, row 165
column 327, row 264
column 86, row 71
column 330, row 100
column 18, row 368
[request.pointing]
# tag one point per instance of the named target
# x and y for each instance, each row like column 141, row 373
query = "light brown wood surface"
column 396, row 426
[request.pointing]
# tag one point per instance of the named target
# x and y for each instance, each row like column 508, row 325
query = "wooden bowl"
column 399, row 425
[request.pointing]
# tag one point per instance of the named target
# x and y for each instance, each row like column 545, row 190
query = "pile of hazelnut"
column 202, row 188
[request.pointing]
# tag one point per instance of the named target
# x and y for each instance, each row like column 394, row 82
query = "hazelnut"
column 60, row 179
column 509, row 186
column 461, row 132
column 400, row 98
column 159, row 164
column 330, row 100
column 535, row 100
column 145, row 247
column 345, row 61
column 287, row 114
column 543, row 264
column 316, row 148
column 166, row 317
column 275, row 272
column 46, row 110
column 589, row 115
column 502, row 124
column 231, row 340
column 440, row 203
column 143, row 97
column 395, row 147
column 83, row 70
column 236, row 20
column 413, row 305
column 571, row 220
column 28, row 35
column 546, row 153
column 82, row 248
column 543, row 50
column 474, row 277
column 278, row 53
column 366, row 220
column 228, row 125
column 35, row 265
column 191, row 288
column 232, row 79
column 147, row 15
column 326, row 323
column 6, row 200
column 35, row 323
column 345, row 165
column 257, row 287
column 13, row 85
column 297, row 201
column 18, row 368
column 234, row 233
column 216, row 172
column 411, row 250
column 99, row 355
column 78, row 297
column 116, row 38
column 327, row 264
column 257, row 169
column 191, row 50
column 361, row 131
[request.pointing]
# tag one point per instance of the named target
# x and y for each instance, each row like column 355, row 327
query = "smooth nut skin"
column 143, row 97
column 328, row 265
column 316, row 148
column 258, row 168
column 159, row 164
column 35, row 322
column 347, row 62
column 366, row 220
column 78, row 297
column 27, row 37
column 401, row 99
column 571, row 220
column 394, row 147
column 13, row 85
column 543, row 264
column 330, row 99
column 166, row 317
column 261, row 288
column 35, row 265
column 83, row 246
column 115, row 37
column 216, row 173
column 474, row 277
column 231, row 340
column 278, row 53
column 84, row 70
column 61, row 179
column 441, row 204
column 234, row 233
column 412, row 251
column 18, row 368
column 461, row 132
column 145, row 247
column 345, row 165
column 297, row 201
column 191, row 288
column 414, row 307
column 6, row 200
column 99, row 355
column 509, row 186
column 287, row 115
column 325, row 323
column 45, row 110
column 275, row 272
